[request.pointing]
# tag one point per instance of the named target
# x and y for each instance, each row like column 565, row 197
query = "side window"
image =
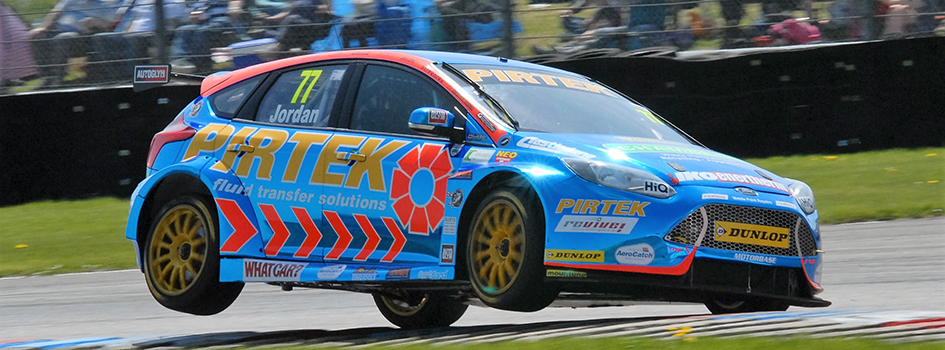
column 387, row 96
column 302, row 97
column 226, row 102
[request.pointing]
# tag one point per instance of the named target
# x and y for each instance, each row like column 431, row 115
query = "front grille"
column 688, row 231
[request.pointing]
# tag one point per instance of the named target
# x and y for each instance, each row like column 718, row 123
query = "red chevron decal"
column 280, row 232
column 372, row 237
column 243, row 230
column 399, row 240
column 312, row 234
column 344, row 237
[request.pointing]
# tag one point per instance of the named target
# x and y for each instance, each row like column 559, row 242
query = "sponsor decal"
column 398, row 274
column 575, row 255
column 596, row 224
column 486, row 122
column 642, row 148
column 432, row 274
column 746, row 191
column 785, row 204
column 535, row 143
column 519, row 77
column 714, row 196
column 152, row 74
column 455, row 198
column 602, row 207
column 363, row 274
column 685, row 176
column 449, row 226
column 224, row 185
column 655, row 187
column 769, row 236
column 478, row 156
column 331, row 272
column 566, row 274
column 505, row 156
column 477, row 137
column 462, row 175
column 421, row 211
column 752, row 200
column 637, row 254
column 446, row 254
column 437, row 117
column 337, row 75
column 294, row 115
column 756, row 258
column 260, row 270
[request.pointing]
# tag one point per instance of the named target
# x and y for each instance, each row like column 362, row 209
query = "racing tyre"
column 425, row 311
column 504, row 252
column 740, row 306
column 181, row 259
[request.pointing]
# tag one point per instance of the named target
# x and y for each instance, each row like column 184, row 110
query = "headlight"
column 804, row 195
column 620, row 177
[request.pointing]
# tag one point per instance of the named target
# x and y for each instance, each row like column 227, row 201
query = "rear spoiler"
column 151, row 76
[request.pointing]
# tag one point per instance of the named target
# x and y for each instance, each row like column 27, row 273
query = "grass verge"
column 77, row 236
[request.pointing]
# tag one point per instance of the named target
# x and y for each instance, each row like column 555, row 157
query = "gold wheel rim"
column 497, row 247
column 403, row 308
column 178, row 250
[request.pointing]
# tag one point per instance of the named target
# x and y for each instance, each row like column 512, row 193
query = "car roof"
column 415, row 58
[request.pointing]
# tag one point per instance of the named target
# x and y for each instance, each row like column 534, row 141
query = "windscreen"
column 559, row 102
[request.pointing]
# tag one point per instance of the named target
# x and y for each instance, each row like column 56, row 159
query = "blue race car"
column 432, row 180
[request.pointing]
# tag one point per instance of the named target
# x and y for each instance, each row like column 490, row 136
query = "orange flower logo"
column 418, row 188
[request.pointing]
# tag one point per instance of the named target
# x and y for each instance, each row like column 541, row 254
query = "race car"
column 437, row 180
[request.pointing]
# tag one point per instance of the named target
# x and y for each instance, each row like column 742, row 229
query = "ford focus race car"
column 436, row 180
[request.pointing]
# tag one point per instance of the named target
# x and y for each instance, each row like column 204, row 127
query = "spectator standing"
column 212, row 23
column 63, row 34
column 300, row 24
column 16, row 60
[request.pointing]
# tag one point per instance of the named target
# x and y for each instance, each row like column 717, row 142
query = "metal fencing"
column 73, row 46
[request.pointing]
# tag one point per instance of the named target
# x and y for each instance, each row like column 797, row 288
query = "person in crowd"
column 361, row 26
column 63, row 35
column 17, row 66
column 211, row 23
column 114, row 54
column 300, row 24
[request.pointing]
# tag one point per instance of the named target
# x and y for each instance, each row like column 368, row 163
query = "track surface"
column 893, row 265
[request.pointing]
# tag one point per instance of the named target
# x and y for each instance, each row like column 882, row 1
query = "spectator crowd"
column 90, row 41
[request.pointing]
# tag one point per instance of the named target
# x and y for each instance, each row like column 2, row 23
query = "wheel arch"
column 509, row 177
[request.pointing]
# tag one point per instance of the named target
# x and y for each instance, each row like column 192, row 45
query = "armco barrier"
column 822, row 99
column 77, row 144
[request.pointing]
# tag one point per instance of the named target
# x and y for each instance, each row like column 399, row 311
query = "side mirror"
column 436, row 122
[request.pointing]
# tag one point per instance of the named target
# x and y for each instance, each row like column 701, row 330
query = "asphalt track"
column 886, row 269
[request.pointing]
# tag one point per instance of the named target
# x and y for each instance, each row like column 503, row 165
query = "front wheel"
column 739, row 306
column 181, row 259
column 504, row 252
column 414, row 311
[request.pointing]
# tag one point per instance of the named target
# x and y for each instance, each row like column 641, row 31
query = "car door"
column 277, row 151
column 385, row 190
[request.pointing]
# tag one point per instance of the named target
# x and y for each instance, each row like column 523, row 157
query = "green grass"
column 88, row 235
column 68, row 236
column 880, row 185
column 681, row 342
column 32, row 9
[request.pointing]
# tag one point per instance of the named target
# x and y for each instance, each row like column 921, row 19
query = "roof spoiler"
column 151, row 76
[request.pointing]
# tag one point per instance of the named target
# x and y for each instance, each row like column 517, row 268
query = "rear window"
column 227, row 102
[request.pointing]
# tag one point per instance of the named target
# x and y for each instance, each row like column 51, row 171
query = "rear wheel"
column 413, row 311
column 182, row 259
column 504, row 252
column 740, row 306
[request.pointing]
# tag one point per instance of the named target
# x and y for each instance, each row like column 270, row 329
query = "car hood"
column 679, row 164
